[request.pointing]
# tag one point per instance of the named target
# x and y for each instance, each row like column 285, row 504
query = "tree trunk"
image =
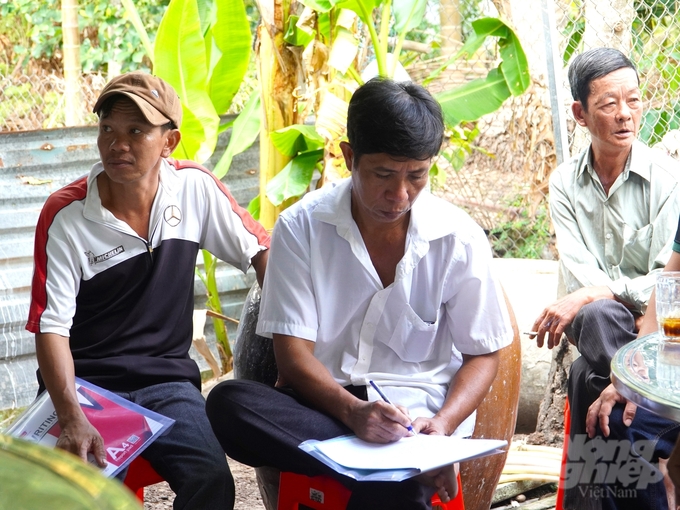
column 279, row 69
column 72, row 70
column 608, row 23
column 451, row 34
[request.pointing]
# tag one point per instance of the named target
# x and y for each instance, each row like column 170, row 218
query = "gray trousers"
column 600, row 328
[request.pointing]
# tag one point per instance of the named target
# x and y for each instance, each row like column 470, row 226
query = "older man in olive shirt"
column 614, row 209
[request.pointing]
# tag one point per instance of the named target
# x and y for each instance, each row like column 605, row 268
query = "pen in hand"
column 384, row 397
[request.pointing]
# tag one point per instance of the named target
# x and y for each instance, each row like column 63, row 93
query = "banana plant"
column 202, row 49
column 335, row 27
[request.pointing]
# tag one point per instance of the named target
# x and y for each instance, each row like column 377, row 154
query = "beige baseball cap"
column 157, row 100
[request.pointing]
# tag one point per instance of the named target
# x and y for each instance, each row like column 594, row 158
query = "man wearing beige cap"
column 112, row 292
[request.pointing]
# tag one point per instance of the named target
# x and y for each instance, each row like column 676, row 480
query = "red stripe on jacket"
column 250, row 224
column 55, row 202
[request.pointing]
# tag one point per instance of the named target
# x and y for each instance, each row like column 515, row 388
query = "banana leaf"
column 474, row 99
column 231, row 35
column 244, row 132
column 297, row 138
column 295, row 177
column 180, row 59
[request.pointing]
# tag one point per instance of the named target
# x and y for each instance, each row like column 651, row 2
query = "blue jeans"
column 621, row 471
column 188, row 457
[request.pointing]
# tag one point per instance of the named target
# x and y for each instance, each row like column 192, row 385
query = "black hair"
column 110, row 102
column 591, row 65
column 401, row 119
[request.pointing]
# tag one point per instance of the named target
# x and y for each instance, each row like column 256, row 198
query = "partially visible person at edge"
column 614, row 207
column 113, row 287
column 613, row 417
column 372, row 279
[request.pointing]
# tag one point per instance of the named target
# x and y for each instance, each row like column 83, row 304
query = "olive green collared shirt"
column 622, row 239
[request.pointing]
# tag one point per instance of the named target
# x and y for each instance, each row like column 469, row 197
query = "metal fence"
column 503, row 185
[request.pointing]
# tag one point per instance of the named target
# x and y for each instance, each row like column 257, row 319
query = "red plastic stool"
column 140, row 474
column 563, row 469
column 324, row 493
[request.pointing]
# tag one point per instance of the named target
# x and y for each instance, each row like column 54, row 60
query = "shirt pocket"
column 413, row 339
column 636, row 245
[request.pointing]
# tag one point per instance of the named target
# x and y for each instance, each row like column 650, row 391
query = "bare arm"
column 259, row 263
column 375, row 422
column 469, row 387
column 78, row 436
column 557, row 317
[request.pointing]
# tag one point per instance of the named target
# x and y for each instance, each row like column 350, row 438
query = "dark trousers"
column 188, row 457
column 600, row 329
column 262, row 426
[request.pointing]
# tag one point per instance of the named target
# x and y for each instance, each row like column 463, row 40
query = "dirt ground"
column 160, row 497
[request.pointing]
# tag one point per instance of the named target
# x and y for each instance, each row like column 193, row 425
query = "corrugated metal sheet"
column 33, row 165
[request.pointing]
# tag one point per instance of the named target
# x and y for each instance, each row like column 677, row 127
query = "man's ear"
column 578, row 111
column 348, row 154
column 172, row 139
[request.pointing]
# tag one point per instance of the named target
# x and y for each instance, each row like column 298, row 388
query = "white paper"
column 397, row 461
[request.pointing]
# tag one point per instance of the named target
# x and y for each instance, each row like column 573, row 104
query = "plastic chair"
column 325, row 493
column 140, row 474
column 563, row 470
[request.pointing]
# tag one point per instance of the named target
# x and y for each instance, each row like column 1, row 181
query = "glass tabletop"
column 647, row 372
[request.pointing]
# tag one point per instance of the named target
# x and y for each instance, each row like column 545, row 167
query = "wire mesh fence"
column 503, row 183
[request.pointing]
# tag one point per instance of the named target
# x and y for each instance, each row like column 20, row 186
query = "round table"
column 647, row 372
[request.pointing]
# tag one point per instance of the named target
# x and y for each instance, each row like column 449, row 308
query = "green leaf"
column 254, row 207
column 474, row 99
column 574, row 30
column 181, row 61
column 323, row 26
column 243, row 134
column 437, row 175
column 295, row 177
column 295, row 35
column 232, row 37
column 207, row 11
column 319, row 5
column 296, row 138
column 364, row 8
column 408, row 14
column 514, row 64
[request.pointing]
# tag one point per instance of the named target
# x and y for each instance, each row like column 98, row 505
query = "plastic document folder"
column 410, row 456
column 126, row 428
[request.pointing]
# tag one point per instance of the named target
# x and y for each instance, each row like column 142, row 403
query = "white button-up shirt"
column 321, row 286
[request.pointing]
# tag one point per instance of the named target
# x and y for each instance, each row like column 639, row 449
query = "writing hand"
column 379, row 422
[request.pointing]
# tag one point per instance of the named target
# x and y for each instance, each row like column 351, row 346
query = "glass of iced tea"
column 668, row 304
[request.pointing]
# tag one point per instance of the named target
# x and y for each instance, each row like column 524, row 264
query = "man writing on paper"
column 113, row 288
column 613, row 208
column 372, row 279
